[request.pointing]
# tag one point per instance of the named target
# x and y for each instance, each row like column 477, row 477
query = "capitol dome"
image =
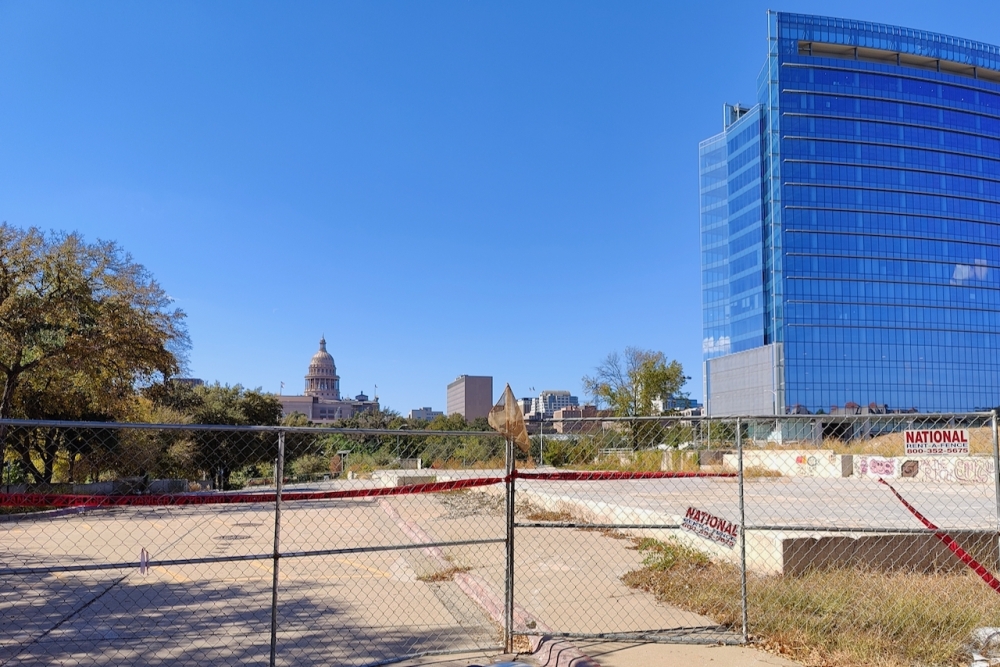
column 322, row 379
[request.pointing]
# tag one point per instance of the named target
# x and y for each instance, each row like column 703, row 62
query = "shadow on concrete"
column 123, row 618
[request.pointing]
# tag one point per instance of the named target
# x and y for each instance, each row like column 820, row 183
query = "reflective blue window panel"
column 873, row 251
column 732, row 241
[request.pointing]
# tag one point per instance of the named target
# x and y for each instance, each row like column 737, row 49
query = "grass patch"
column 610, row 533
column 891, row 444
column 841, row 618
column 759, row 471
column 663, row 556
column 529, row 511
column 537, row 514
column 443, row 575
column 646, row 460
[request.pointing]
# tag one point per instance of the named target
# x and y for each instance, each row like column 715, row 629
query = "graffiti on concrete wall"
column 974, row 470
column 876, row 466
column 807, row 465
column 938, row 470
column 943, row 469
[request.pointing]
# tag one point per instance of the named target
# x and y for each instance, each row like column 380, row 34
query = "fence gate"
column 866, row 537
column 613, row 508
column 236, row 546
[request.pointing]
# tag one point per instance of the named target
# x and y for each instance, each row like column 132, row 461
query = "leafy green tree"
column 61, row 395
column 480, row 424
column 296, row 419
column 459, row 449
column 453, row 422
column 309, row 464
column 363, row 443
column 154, row 454
column 220, row 453
column 629, row 385
column 81, row 327
column 81, row 314
column 572, row 451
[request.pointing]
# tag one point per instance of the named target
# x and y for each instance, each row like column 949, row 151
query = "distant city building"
column 427, row 414
column 526, row 404
column 322, row 380
column 470, row 396
column 575, row 419
column 551, row 400
column 675, row 404
column 580, row 412
column 321, row 400
column 189, row 382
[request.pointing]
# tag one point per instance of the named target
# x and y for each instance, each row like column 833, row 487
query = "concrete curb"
column 47, row 514
column 560, row 653
column 546, row 651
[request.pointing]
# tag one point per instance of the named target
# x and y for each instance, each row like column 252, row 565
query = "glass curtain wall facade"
column 868, row 260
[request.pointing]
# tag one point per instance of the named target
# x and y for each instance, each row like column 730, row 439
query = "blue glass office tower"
column 850, row 226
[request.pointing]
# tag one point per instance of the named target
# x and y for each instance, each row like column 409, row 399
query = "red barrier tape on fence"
column 69, row 500
column 962, row 554
column 598, row 475
column 65, row 500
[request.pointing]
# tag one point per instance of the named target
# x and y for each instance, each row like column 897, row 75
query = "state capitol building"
column 321, row 401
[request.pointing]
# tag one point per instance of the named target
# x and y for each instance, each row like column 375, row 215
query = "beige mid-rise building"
column 470, row 396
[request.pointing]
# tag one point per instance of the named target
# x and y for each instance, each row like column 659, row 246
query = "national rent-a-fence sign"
column 710, row 527
column 937, row 441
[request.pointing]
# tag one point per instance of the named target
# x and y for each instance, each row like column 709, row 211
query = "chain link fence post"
column 744, row 602
column 279, row 472
column 996, row 463
column 508, row 630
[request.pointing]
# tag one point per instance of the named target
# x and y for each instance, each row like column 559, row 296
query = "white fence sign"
column 937, row 441
column 710, row 527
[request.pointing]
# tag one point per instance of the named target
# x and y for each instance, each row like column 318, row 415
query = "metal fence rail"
column 138, row 544
column 172, row 542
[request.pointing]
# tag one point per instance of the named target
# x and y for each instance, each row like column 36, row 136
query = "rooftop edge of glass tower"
column 850, row 226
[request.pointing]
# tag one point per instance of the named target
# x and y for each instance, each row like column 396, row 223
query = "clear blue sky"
column 490, row 188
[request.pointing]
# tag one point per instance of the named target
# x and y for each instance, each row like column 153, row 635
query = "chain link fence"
column 869, row 538
column 161, row 544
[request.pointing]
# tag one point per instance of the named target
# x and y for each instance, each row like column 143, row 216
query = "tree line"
column 87, row 334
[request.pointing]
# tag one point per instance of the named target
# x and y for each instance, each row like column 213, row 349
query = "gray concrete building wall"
column 323, row 410
column 300, row 404
column 745, row 383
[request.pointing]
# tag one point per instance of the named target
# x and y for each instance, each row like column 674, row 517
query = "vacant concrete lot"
column 802, row 502
column 372, row 600
column 355, row 608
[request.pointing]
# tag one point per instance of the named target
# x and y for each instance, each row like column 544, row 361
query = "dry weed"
column 443, row 575
column 840, row 618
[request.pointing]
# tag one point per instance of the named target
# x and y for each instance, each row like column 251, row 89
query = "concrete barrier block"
column 846, row 465
column 165, row 486
column 790, row 462
column 410, row 480
column 712, row 457
column 889, row 552
column 94, row 489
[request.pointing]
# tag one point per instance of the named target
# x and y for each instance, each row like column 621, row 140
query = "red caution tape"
column 962, row 554
column 67, row 500
column 598, row 475
column 70, row 500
